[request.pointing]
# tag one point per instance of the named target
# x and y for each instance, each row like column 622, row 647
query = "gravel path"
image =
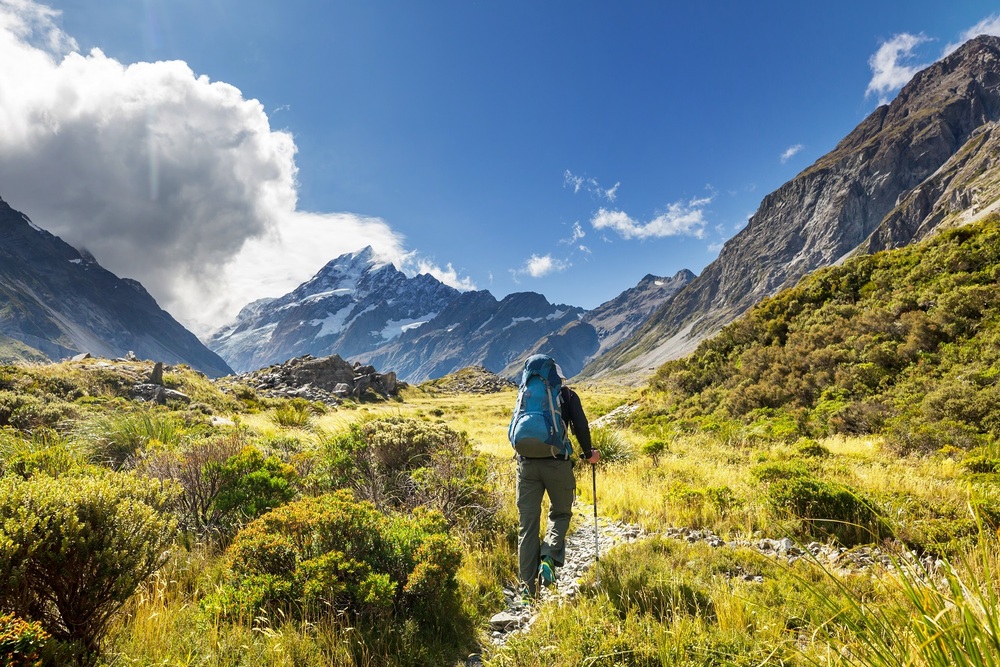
column 580, row 557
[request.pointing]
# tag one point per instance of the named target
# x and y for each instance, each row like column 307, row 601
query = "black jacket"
column 573, row 416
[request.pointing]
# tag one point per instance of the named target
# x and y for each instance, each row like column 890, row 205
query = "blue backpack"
column 536, row 428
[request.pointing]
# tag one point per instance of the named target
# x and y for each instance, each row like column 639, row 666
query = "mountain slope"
column 60, row 303
column 833, row 207
column 904, row 343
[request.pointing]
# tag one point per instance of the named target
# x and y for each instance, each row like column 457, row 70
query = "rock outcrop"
column 329, row 380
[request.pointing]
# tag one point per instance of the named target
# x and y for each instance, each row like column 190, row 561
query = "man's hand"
column 595, row 456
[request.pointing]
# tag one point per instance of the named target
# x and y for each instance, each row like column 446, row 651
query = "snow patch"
column 332, row 324
column 394, row 328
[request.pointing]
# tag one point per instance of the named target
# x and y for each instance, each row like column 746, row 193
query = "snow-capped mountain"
column 366, row 310
column 353, row 305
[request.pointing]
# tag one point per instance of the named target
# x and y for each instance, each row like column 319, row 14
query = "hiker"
column 539, row 434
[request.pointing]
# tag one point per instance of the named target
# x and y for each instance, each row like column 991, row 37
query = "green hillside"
column 903, row 343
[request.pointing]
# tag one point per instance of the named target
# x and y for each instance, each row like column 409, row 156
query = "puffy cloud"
column 537, row 266
column 791, row 152
column 164, row 175
column 680, row 219
column 890, row 70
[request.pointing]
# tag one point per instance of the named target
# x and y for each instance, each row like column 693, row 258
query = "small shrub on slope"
column 334, row 555
column 400, row 464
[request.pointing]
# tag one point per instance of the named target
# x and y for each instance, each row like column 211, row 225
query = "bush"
column 295, row 413
column 826, row 510
column 223, row 482
column 399, row 464
column 915, row 435
column 332, row 553
column 72, row 551
column 654, row 449
column 810, row 448
column 613, row 446
column 117, row 439
column 25, row 412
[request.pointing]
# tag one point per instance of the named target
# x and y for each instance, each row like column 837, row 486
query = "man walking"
column 545, row 466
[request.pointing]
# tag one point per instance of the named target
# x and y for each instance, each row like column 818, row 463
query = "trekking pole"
column 597, row 555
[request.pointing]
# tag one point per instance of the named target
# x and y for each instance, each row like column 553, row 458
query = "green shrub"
column 224, row 482
column 772, row 471
column 399, row 464
column 911, row 434
column 252, row 484
column 72, row 551
column 826, row 510
column 25, row 411
column 980, row 464
column 810, row 448
column 116, row 439
column 332, row 554
column 296, row 413
column 654, row 449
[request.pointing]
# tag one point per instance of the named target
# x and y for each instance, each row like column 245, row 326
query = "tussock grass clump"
column 295, row 413
column 614, row 447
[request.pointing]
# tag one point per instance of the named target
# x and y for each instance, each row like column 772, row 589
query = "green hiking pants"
column 536, row 477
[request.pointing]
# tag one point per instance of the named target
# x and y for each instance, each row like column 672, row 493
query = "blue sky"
column 221, row 150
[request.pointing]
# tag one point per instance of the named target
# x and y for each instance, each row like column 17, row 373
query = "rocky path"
column 580, row 557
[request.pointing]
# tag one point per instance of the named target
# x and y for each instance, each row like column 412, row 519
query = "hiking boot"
column 547, row 572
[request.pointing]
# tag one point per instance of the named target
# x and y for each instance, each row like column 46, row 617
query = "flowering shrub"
column 21, row 642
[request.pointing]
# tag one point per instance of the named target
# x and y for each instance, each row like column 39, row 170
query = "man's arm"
column 577, row 420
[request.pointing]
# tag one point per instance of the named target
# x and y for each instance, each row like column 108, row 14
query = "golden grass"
column 699, row 481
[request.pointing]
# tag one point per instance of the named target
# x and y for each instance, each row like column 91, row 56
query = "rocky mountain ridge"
column 907, row 168
column 368, row 311
column 56, row 302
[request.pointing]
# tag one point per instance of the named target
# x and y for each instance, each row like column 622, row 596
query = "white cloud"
column 538, row 266
column 164, row 175
column 576, row 235
column 889, row 65
column 590, row 184
column 988, row 26
column 791, row 152
column 576, row 182
column 680, row 219
column 448, row 275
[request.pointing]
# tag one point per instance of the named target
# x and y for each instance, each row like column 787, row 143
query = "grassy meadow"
column 660, row 601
